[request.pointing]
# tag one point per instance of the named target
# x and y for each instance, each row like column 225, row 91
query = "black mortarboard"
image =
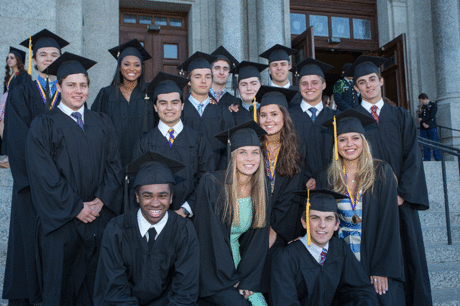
column 278, row 53
column 246, row 70
column 275, row 95
column 346, row 66
column 153, row 168
column 68, row 64
column 322, row 199
column 246, row 134
column 198, row 60
column 166, row 83
column 43, row 39
column 364, row 65
column 20, row 54
column 350, row 121
column 223, row 54
column 132, row 47
column 310, row 66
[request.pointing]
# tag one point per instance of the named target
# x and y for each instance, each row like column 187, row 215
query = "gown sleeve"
column 100, row 103
column 283, row 283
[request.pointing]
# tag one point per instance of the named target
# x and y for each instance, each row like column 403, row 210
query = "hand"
column 294, row 240
column 272, row 237
column 212, row 101
column 400, row 201
column 86, row 214
column 180, row 212
column 246, row 293
column 425, row 125
column 419, row 119
column 311, row 184
column 234, row 108
column 95, row 206
column 380, row 284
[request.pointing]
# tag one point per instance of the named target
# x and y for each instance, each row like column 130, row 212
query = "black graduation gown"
column 394, row 140
column 227, row 99
column 217, row 269
column 131, row 119
column 243, row 115
column 190, row 148
column 21, row 281
column 68, row 166
column 298, row 279
column 128, row 274
column 216, row 118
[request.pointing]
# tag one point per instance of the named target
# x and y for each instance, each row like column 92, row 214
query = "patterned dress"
column 245, row 212
column 347, row 230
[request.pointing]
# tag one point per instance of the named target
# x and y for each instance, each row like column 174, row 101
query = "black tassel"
column 234, row 82
column 126, row 195
column 146, row 111
column 47, row 91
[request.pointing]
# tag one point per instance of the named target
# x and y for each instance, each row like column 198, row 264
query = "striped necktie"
column 200, row 109
column 374, row 114
column 323, row 256
column 77, row 116
column 171, row 137
column 313, row 113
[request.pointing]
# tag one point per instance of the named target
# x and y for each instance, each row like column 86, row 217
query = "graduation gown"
column 394, row 140
column 190, row 148
column 227, row 99
column 131, row 119
column 68, row 166
column 217, row 269
column 243, row 115
column 21, row 281
column 298, row 279
column 216, row 118
column 129, row 274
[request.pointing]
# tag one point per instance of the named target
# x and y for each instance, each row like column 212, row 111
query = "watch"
column 186, row 212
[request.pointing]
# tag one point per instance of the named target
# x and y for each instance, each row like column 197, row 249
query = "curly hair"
column 20, row 65
column 289, row 158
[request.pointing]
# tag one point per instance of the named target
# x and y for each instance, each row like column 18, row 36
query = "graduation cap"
column 68, row 64
column 350, row 121
column 278, row 53
column 344, row 68
column 364, row 65
column 310, row 66
column 246, row 70
column 320, row 200
column 275, row 95
column 42, row 39
column 132, row 47
column 20, row 54
column 198, row 60
column 166, row 83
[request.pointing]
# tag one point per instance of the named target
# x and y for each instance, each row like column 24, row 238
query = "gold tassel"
column 29, row 70
column 255, row 109
column 336, row 152
column 307, row 218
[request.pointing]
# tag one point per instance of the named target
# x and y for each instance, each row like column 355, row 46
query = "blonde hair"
column 230, row 211
column 365, row 175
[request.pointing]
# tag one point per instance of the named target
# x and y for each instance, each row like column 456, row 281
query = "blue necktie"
column 313, row 113
column 323, row 256
column 77, row 116
column 200, row 109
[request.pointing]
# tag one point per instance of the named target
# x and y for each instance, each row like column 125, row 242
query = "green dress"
column 245, row 209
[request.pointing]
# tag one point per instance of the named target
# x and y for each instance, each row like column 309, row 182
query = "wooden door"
column 395, row 73
column 305, row 46
column 163, row 34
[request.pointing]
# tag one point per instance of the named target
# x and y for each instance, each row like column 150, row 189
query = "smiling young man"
column 201, row 115
column 174, row 139
column 319, row 269
column 393, row 138
column 279, row 64
column 149, row 256
column 74, row 169
column 24, row 104
column 221, row 72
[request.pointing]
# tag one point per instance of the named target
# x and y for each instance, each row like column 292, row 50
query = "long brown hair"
column 289, row 157
column 365, row 176
column 20, row 65
column 230, row 211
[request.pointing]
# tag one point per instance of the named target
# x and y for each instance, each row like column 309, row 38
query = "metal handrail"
column 449, row 150
column 447, row 128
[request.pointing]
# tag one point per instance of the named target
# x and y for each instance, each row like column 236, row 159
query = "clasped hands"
column 90, row 211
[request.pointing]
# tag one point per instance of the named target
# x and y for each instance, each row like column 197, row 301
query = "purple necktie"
column 77, row 116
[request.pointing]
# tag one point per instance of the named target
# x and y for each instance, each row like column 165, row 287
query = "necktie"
column 219, row 95
column 200, row 109
column 374, row 109
column 171, row 137
column 152, row 235
column 313, row 113
column 77, row 116
column 323, row 256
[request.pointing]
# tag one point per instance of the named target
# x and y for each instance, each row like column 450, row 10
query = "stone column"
column 229, row 25
column 446, row 39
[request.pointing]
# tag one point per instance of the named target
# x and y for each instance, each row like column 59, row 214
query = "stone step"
column 446, row 297
column 445, row 275
column 438, row 218
column 6, row 180
column 439, row 233
column 441, row 252
column 437, row 202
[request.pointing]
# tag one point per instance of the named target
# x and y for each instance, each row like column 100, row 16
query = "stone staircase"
column 443, row 259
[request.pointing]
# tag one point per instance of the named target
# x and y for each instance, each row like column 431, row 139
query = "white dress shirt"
column 314, row 250
column 306, row 107
column 196, row 103
column 68, row 111
column 144, row 225
column 368, row 106
column 285, row 86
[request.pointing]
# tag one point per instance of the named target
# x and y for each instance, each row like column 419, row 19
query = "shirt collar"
column 213, row 92
column 144, row 225
column 314, row 250
column 285, row 86
column 305, row 107
column 164, row 128
column 195, row 102
column 247, row 106
column 368, row 105
column 43, row 82
column 68, row 111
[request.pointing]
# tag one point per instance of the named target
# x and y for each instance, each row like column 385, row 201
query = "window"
column 145, row 20
column 340, row 27
column 320, row 25
column 175, row 22
column 129, row 18
column 170, row 51
column 298, row 23
column 362, row 29
column 161, row 21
